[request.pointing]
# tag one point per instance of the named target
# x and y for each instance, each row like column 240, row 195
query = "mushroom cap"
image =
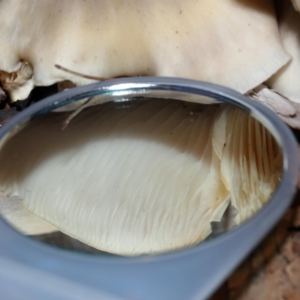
column 286, row 80
column 229, row 42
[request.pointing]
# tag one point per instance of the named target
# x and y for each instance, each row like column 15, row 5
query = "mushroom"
column 149, row 178
column 229, row 42
column 285, row 81
column 22, row 219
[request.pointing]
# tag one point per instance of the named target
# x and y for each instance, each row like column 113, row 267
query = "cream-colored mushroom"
column 229, row 42
column 286, row 109
column 250, row 163
column 233, row 43
column 286, row 81
column 13, row 211
column 144, row 179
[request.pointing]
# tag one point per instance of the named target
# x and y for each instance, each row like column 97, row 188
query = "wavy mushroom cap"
column 229, row 42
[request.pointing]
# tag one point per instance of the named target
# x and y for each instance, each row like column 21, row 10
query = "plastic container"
column 32, row 270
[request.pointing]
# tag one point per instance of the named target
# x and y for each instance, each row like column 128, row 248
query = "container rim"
column 16, row 247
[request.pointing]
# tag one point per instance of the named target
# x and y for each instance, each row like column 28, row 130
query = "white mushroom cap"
column 229, row 42
column 286, row 80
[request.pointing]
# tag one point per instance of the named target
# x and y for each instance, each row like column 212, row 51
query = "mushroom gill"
column 147, row 178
